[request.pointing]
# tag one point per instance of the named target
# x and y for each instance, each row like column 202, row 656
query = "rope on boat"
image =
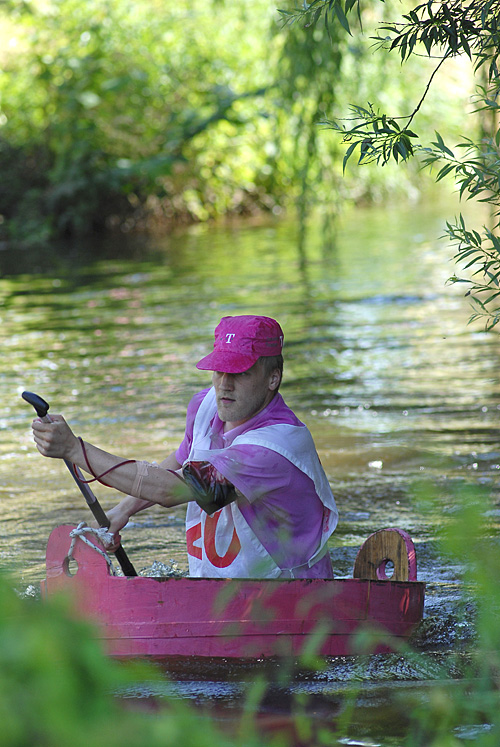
column 101, row 534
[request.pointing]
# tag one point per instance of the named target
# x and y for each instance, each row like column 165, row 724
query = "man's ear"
column 275, row 379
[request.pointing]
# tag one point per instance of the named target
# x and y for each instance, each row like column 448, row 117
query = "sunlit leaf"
column 342, row 17
column 348, row 154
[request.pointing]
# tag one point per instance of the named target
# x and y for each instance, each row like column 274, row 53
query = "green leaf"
column 440, row 144
column 444, row 171
column 465, row 45
column 348, row 154
column 342, row 18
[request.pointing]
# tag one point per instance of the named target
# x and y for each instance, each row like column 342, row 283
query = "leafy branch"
column 483, row 253
column 310, row 13
column 476, row 173
column 444, row 29
column 455, row 27
column 378, row 138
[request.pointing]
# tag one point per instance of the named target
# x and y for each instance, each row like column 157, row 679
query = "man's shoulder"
column 194, row 406
column 278, row 413
column 197, row 399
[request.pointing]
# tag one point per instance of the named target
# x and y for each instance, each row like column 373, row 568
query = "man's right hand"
column 118, row 519
column 211, row 490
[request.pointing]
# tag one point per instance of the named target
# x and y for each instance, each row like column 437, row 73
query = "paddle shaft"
column 41, row 408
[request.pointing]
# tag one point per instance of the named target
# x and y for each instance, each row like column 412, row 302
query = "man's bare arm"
column 156, row 485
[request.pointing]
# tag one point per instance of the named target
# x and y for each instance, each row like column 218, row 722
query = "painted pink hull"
column 225, row 618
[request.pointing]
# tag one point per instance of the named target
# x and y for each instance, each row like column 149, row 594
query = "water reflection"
column 379, row 362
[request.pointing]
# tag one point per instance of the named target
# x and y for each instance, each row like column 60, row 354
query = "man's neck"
column 228, row 426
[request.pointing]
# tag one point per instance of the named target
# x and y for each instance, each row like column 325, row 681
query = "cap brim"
column 226, row 362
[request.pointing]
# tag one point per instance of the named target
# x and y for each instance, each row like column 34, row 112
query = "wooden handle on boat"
column 387, row 545
column 42, row 408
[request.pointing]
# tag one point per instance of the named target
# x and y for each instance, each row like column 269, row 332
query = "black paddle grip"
column 40, row 405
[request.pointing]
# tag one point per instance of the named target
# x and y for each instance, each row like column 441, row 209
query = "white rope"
column 102, row 535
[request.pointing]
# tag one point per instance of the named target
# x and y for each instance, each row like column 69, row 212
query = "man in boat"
column 259, row 502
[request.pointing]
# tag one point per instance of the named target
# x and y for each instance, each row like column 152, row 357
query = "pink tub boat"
column 162, row 618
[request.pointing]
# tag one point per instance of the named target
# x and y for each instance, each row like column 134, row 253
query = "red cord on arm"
column 98, row 477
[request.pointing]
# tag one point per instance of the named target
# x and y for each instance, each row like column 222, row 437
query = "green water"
column 380, row 363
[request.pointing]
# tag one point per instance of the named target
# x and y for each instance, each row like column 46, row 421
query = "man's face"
column 241, row 396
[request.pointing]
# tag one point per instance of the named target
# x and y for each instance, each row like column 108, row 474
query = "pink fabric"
column 280, row 504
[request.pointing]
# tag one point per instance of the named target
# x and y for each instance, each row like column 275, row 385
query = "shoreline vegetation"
column 140, row 118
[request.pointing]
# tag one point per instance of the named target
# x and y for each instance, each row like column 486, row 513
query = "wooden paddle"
column 41, row 407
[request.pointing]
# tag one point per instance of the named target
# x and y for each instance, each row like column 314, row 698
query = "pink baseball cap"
column 240, row 341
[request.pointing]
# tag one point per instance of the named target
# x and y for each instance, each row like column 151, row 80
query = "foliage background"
column 117, row 114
